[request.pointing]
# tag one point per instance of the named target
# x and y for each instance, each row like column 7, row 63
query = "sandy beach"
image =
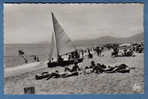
column 109, row 83
column 105, row 39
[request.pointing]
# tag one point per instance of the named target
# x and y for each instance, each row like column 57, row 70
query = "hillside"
column 87, row 43
column 109, row 39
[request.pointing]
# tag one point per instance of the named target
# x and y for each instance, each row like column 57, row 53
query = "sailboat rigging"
column 61, row 45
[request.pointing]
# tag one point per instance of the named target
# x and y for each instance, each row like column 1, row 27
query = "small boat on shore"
column 61, row 45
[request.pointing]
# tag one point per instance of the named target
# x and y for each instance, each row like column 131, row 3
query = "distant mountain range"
column 99, row 41
column 109, row 39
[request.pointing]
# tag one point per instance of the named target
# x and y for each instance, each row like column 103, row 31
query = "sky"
column 32, row 23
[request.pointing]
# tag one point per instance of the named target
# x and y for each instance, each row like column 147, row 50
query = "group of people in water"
column 21, row 53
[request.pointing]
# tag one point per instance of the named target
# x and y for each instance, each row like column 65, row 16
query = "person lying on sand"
column 42, row 76
column 69, row 74
column 75, row 68
column 123, row 68
column 47, row 75
column 54, row 75
column 98, row 68
column 94, row 68
column 75, row 71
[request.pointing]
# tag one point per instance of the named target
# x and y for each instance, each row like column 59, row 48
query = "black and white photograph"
column 73, row 48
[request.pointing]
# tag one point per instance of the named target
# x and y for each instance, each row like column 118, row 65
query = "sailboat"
column 61, row 45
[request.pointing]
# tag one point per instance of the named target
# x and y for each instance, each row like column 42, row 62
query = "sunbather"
column 75, row 68
column 54, row 75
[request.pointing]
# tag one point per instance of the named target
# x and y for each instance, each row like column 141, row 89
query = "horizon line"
column 48, row 42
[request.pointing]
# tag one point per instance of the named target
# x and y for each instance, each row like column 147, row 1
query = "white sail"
column 53, row 53
column 63, row 43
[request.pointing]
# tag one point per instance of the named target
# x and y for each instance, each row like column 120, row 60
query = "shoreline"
column 83, row 84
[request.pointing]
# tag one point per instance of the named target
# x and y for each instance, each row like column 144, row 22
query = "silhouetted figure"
column 82, row 53
column 26, row 61
column 89, row 54
column 98, row 50
column 20, row 52
column 76, row 54
column 92, row 64
column 115, row 51
column 75, row 68
column 36, row 58
column 60, row 59
column 70, row 57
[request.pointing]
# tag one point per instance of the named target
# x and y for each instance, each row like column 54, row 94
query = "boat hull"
column 64, row 63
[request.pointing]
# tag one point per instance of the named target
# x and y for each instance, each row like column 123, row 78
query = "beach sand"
column 107, row 83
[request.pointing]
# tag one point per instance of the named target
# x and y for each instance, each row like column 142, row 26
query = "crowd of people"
column 89, row 53
column 76, row 70
column 94, row 67
column 117, row 51
column 128, row 50
column 139, row 48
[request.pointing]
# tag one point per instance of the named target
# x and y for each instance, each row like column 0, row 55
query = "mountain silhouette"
column 109, row 39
